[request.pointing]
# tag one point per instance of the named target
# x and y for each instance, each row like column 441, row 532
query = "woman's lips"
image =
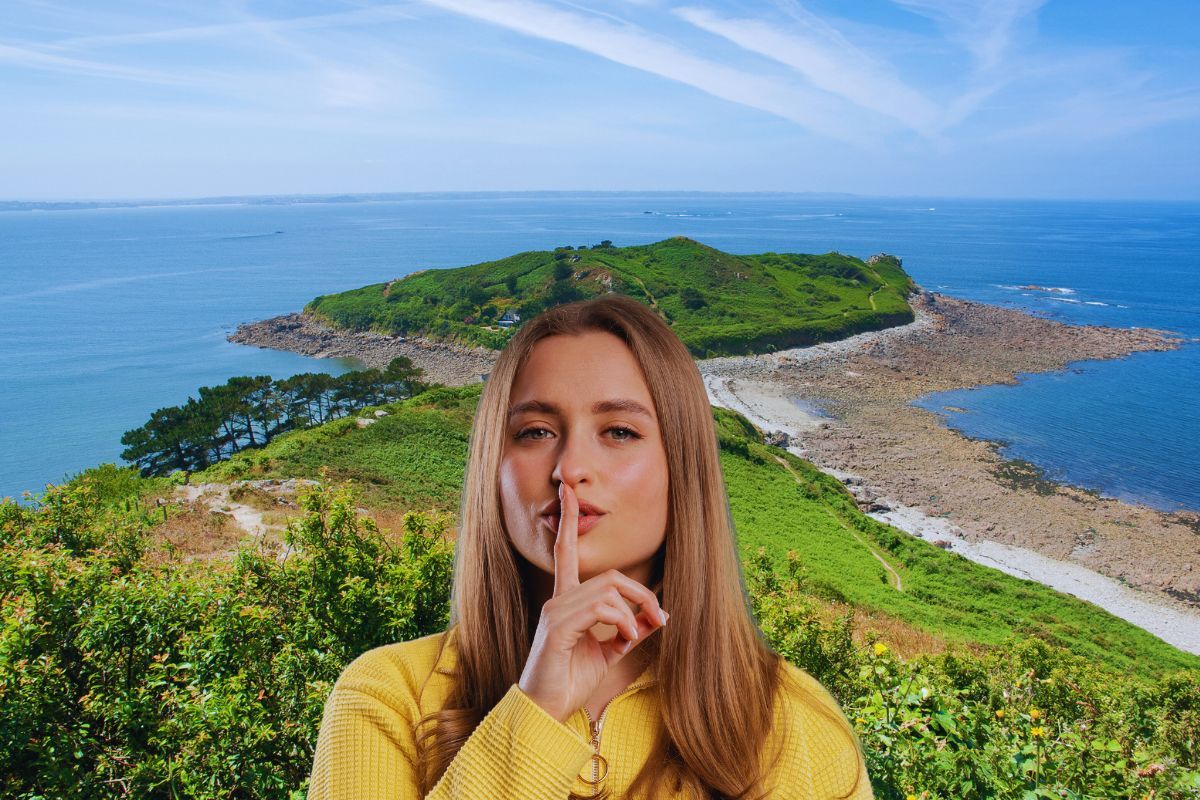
column 586, row 522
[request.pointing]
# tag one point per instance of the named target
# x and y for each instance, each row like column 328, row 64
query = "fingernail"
column 625, row 647
column 560, row 491
column 663, row 616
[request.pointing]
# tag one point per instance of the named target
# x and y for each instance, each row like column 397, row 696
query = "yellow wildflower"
column 1034, row 714
column 999, row 713
column 1038, row 731
column 880, row 648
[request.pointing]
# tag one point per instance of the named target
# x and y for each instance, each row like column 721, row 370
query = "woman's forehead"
column 594, row 371
column 614, row 405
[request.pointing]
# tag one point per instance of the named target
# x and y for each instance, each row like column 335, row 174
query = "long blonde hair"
column 717, row 677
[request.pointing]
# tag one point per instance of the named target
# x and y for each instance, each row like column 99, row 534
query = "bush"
column 124, row 676
column 124, row 679
column 1028, row 720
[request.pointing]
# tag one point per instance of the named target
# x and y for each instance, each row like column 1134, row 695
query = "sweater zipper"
column 595, row 730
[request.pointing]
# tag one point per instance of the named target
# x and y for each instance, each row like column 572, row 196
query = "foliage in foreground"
column 121, row 676
column 1025, row 721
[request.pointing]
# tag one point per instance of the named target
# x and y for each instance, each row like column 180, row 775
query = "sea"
column 110, row 312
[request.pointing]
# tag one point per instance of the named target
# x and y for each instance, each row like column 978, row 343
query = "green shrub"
column 126, row 679
column 133, row 680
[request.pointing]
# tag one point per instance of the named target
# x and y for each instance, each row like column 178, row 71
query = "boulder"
column 777, row 439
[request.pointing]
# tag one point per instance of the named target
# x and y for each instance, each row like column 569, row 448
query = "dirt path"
column 893, row 576
column 216, row 497
column 215, row 519
column 649, row 296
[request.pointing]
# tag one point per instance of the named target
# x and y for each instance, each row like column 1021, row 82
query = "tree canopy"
column 247, row 412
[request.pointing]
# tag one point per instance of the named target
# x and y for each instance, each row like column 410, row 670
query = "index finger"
column 566, row 552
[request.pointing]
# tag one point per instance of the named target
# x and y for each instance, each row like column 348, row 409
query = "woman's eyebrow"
column 599, row 407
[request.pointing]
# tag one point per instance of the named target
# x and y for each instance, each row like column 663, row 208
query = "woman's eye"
column 622, row 434
column 632, row 434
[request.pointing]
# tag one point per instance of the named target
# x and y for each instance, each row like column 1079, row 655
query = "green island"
column 717, row 303
column 133, row 664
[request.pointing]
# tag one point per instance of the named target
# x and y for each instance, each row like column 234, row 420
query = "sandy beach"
column 846, row 407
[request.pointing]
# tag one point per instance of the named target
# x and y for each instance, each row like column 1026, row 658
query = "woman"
column 600, row 641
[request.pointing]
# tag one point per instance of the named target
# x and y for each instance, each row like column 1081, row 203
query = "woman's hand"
column 567, row 662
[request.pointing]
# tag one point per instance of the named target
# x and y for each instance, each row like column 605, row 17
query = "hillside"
column 718, row 303
column 150, row 647
column 413, row 458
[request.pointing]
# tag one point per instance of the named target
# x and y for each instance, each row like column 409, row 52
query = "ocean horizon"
column 109, row 312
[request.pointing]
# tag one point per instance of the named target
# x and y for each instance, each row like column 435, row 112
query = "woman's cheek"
column 642, row 481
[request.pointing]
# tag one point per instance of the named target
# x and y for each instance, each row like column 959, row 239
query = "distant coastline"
column 898, row 458
column 372, row 197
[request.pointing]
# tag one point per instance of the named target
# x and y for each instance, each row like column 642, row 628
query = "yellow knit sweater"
column 366, row 748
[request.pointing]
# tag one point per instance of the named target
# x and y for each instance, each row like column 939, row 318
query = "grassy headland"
column 718, row 303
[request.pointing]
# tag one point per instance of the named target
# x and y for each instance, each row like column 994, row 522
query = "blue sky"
column 975, row 98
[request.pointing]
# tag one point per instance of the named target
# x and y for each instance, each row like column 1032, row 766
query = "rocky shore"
column 846, row 406
column 449, row 364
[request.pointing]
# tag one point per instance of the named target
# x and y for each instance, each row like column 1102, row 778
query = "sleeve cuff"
column 556, row 744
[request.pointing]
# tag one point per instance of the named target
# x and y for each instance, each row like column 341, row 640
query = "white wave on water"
column 1094, row 303
column 1032, row 287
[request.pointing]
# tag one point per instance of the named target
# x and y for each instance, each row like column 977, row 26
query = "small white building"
column 509, row 319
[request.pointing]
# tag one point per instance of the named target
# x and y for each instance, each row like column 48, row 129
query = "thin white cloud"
column 228, row 30
column 336, row 83
column 1100, row 115
column 633, row 47
column 29, row 58
column 975, row 82
column 361, row 77
column 983, row 27
column 830, row 62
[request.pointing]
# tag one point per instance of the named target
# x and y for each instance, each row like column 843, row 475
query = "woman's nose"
column 576, row 461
